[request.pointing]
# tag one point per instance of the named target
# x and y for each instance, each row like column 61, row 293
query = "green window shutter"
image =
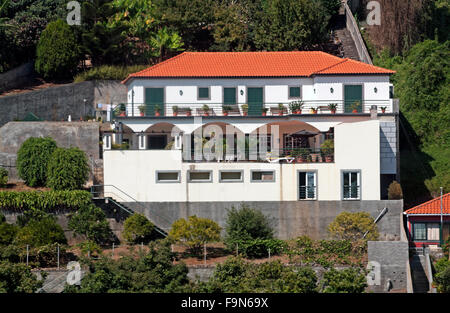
column 294, row 92
column 203, row 93
column 229, row 96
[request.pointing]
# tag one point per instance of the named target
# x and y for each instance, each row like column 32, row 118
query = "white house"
column 264, row 118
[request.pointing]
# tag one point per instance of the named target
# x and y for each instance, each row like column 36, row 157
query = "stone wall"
column 84, row 135
column 392, row 258
column 57, row 103
column 388, row 147
column 289, row 219
column 16, row 77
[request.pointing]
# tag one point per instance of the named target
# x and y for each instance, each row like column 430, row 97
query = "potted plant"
column 120, row 110
column 264, row 111
column 328, row 150
column 355, row 106
column 333, row 107
column 175, row 110
column 301, row 154
column 280, row 109
column 383, row 109
column 296, row 107
column 314, row 110
column 142, row 109
column 245, row 109
column 226, row 109
column 205, row 109
column 188, row 111
column 157, row 110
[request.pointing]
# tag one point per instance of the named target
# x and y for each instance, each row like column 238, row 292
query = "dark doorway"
column 157, row 142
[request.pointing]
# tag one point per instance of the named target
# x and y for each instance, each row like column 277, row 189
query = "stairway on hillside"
column 341, row 43
column 419, row 277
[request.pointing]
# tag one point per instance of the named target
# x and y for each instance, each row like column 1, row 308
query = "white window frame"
column 262, row 181
column 315, row 186
column 158, row 181
column 200, row 180
column 358, row 182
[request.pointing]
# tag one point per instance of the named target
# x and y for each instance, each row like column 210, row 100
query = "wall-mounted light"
column 242, row 92
column 332, row 90
column 375, row 89
column 181, row 92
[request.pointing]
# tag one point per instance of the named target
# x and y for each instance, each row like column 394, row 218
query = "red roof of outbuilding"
column 432, row 207
column 257, row 64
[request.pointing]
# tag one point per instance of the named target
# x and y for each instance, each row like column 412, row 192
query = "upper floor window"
column 204, row 93
column 294, row 92
column 351, row 185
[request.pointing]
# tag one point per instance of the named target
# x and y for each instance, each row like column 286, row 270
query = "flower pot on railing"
column 314, row 111
column 280, row 109
column 245, row 109
column 141, row 110
column 333, row 107
column 188, row 112
column 329, row 159
column 122, row 114
column 175, row 110
column 157, row 110
column 383, row 110
column 205, row 109
column 264, row 111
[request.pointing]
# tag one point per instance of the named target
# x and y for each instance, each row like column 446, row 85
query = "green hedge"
column 48, row 201
column 259, row 248
column 109, row 72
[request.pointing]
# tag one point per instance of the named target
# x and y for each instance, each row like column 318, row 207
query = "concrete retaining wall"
column 16, row 77
column 84, row 135
column 289, row 219
column 57, row 103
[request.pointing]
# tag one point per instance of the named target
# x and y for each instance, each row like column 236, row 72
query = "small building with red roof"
column 424, row 222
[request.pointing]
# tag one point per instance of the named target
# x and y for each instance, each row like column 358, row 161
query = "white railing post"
column 142, row 142
column 107, row 142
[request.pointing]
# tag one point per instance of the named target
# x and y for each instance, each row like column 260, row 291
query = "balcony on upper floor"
column 311, row 108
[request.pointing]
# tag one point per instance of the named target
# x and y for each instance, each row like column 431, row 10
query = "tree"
column 137, row 228
column 153, row 271
column 40, row 232
column 195, row 232
column 442, row 276
column 102, row 40
column 32, row 160
column 7, row 233
column 290, row 25
column 90, row 221
column 17, row 278
column 353, row 226
column 164, row 43
column 67, row 169
column 246, row 224
column 58, row 51
column 349, row 280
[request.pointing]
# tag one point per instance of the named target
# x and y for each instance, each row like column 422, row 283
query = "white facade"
column 357, row 149
column 315, row 91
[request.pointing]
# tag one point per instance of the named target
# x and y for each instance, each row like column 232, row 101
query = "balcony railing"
column 267, row 109
column 302, row 155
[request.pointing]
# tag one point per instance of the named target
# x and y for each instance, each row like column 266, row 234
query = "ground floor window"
column 307, row 185
column 263, row 176
column 351, row 181
column 426, row 231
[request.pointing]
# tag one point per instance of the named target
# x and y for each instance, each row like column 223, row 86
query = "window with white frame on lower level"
column 351, row 185
column 200, row 176
column 307, row 185
column 167, row 176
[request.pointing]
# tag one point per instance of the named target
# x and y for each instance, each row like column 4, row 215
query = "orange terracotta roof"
column 432, row 207
column 256, row 64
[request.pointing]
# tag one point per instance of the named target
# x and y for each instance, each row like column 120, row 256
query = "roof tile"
column 432, row 207
column 256, row 64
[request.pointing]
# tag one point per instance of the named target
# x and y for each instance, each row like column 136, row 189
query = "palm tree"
column 164, row 42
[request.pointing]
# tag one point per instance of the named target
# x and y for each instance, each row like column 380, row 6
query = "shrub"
column 3, row 177
column 17, row 278
column 153, row 271
column 67, row 169
column 32, row 160
column 442, row 276
column 349, row 280
column 42, row 232
column 259, row 248
column 137, row 228
column 353, row 226
column 2, row 218
column 395, row 191
column 47, row 201
column 109, row 72
column 90, row 221
column 195, row 232
column 246, row 224
column 58, row 51
column 7, row 233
